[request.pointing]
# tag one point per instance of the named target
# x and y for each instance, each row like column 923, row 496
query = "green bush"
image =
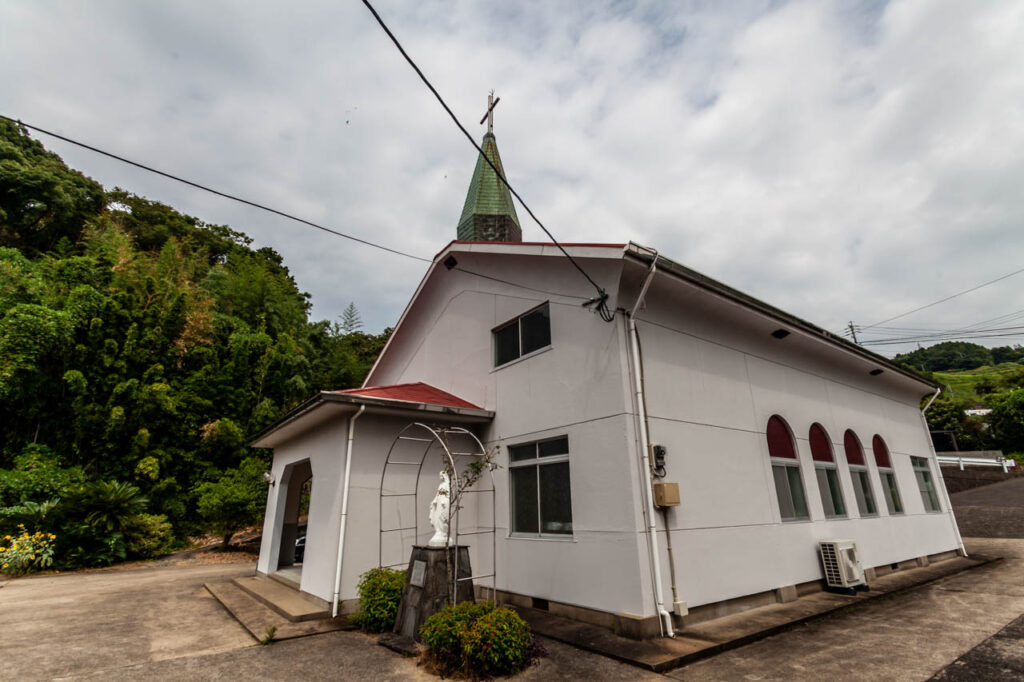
column 479, row 640
column 497, row 644
column 444, row 632
column 147, row 535
column 235, row 500
column 380, row 591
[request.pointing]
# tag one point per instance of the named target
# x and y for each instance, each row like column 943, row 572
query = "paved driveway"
column 73, row 623
column 909, row 636
column 160, row 623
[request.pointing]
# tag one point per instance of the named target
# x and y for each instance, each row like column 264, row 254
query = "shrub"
column 499, row 643
column 147, row 535
column 380, row 591
column 479, row 640
column 25, row 552
column 237, row 499
column 444, row 632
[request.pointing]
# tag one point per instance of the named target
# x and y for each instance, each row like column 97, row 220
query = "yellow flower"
column 5, row 565
column 31, row 556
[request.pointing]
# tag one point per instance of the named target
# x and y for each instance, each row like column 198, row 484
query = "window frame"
column 784, row 465
column 535, row 463
column 921, row 466
column 860, row 477
column 828, row 466
column 517, row 321
column 887, row 476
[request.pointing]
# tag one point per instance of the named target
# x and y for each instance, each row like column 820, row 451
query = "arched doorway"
column 297, row 481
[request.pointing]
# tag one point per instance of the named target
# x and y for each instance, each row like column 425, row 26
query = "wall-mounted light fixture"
column 267, row 478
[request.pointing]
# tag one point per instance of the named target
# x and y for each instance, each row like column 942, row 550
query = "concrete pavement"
column 74, row 623
column 159, row 623
column 909, row 636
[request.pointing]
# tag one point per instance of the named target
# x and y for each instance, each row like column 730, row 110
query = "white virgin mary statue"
column 439, row 508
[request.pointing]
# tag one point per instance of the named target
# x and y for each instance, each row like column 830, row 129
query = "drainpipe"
column 344, row 507
column 665, row 619
column 941, row 478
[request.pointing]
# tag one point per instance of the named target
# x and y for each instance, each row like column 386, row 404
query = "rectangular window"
column 925, row 484
column 541, row 498
column 789, row 489
column 831, row 494
column 862, row 491
column 892, row 493
column 525, row 334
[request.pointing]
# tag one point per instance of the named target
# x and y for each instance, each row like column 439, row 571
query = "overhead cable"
column 943, row 300
column 602, row 297
column 217, row 192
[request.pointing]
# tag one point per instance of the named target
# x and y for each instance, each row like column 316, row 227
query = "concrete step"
column 258, row 619
column 285, row 600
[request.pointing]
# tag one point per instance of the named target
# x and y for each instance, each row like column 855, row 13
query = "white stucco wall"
column 712, row 384
column 577, row 387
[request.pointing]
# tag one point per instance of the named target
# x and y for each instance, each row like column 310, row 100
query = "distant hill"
column 953, row 355
column 975, row 385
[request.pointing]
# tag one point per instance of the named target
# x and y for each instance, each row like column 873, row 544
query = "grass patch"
column 962, row 384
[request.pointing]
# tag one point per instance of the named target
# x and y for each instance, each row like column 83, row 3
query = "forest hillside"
column 140, row 350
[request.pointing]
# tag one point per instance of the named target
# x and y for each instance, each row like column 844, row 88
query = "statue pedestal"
column 427, row 583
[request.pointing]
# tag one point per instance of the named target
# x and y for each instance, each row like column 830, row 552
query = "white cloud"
column 840, row 161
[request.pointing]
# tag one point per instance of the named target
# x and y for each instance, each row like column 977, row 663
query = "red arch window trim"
column 780, row 439
column 881, row 451
column 821, row 445
column 854, row 451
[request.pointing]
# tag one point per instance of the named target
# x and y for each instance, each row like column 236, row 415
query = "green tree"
column 235, row 500
column 41, row 199
column 350, row 319
column 946, row 356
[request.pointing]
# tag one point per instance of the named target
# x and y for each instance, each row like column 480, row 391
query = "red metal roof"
column 413, row 393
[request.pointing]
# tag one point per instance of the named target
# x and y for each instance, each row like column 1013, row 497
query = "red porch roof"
column 418, row 392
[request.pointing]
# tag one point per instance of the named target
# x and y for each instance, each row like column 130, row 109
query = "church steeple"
column 489, row 214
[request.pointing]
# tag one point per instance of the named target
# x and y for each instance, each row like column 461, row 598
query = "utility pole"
column 853, row 332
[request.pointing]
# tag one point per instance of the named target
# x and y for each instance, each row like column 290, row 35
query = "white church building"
column 778, row 435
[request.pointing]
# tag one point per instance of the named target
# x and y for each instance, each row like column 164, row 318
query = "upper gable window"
column 527, row 333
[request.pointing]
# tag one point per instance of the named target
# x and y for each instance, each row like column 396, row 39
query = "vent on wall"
column 841, row 563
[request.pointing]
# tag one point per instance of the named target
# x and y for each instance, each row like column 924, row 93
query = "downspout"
column 344, row 507
column 938, row 469
column 665, row 619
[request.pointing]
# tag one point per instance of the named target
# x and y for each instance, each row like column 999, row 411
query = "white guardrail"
column 984, row 458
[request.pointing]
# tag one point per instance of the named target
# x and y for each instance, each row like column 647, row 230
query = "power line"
column 943, row 300
column 602, row 297
column 219, row 193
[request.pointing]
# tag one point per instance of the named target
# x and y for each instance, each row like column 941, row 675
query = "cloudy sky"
column 842, row 161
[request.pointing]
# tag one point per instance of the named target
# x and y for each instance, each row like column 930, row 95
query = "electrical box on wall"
column 666, row 494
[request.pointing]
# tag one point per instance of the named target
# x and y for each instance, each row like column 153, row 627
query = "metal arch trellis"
column 439, row 435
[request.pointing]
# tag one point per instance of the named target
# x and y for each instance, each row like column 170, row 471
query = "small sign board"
column 419, row 570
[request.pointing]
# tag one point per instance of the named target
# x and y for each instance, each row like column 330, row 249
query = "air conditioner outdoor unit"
column 842, row 564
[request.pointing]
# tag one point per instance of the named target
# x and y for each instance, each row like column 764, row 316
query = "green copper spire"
column 489, row 214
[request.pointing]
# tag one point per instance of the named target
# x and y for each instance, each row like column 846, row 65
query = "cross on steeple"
column 492, row 102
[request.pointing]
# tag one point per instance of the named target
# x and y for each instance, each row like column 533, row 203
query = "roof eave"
column 645, row 255
column 388, row 406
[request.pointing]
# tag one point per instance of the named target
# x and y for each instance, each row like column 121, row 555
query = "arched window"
column 888, row 476
column 786, row 470
column 826, row 473
column 862, row 489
